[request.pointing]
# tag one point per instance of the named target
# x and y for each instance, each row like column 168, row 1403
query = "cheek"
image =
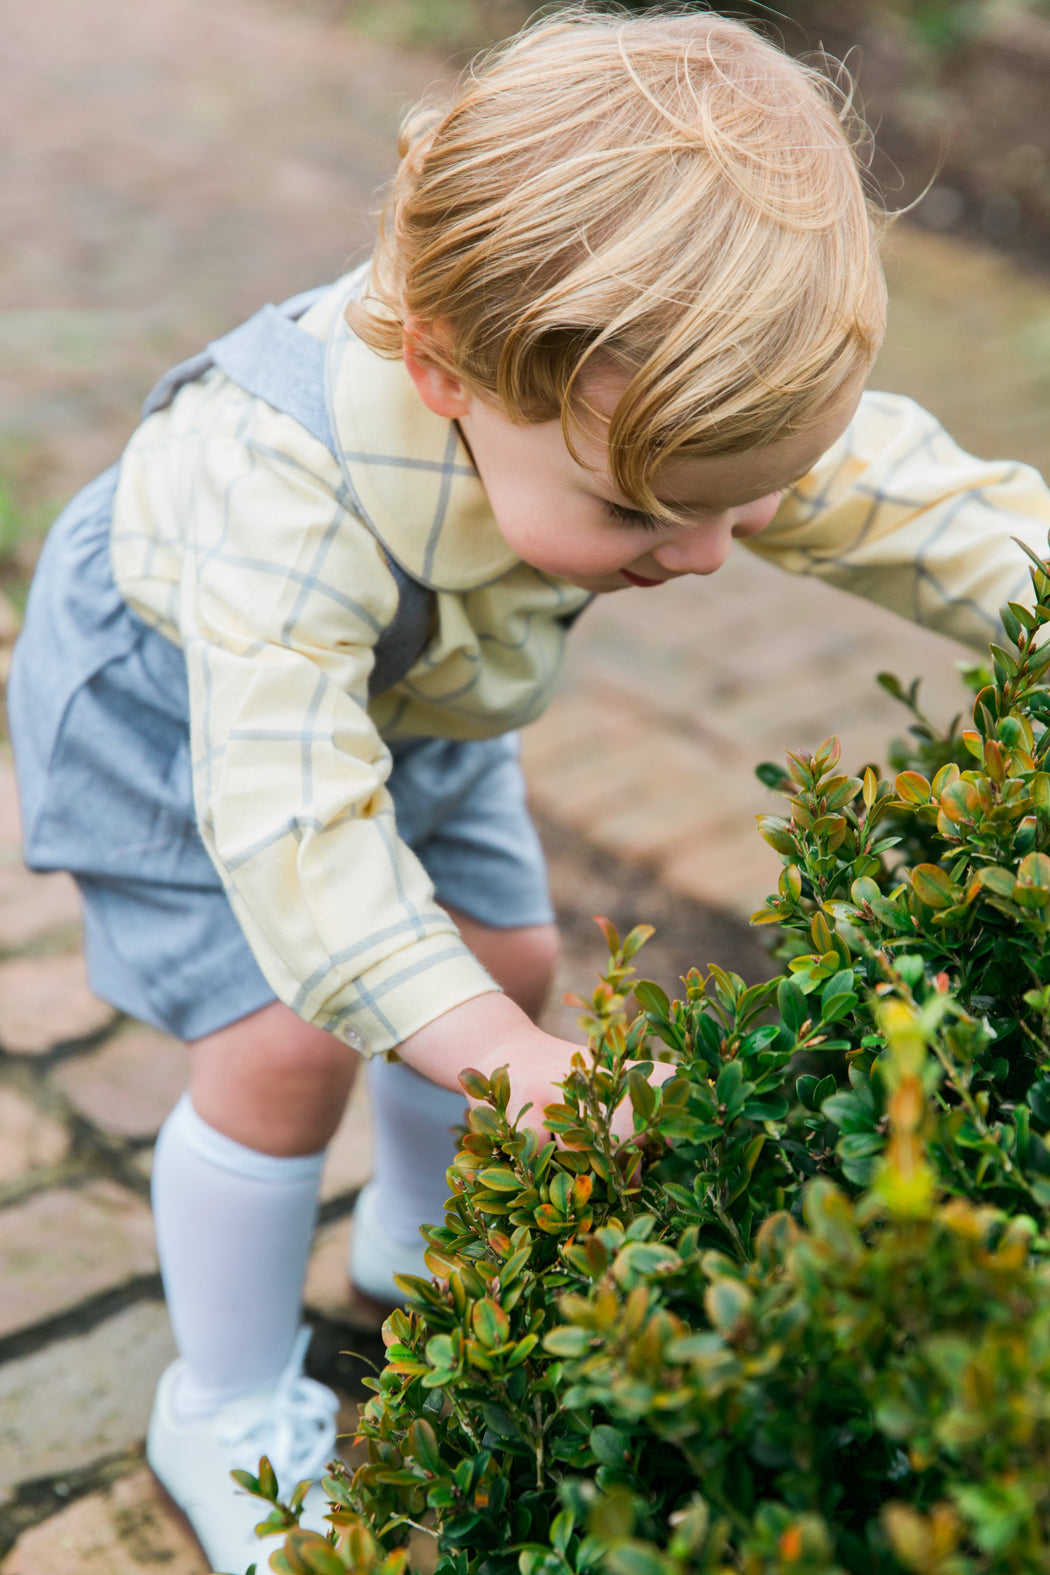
column 549, row 531
column 755, row 519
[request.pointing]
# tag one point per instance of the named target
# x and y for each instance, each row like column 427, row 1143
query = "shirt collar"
column 409, row 471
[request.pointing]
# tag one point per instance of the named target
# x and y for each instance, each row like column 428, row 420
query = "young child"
column 265, row 698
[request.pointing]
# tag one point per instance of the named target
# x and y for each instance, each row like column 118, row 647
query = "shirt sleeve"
column 898, row 513
column 283, row 596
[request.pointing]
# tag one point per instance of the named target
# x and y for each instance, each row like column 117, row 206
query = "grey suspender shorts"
column 99, row 718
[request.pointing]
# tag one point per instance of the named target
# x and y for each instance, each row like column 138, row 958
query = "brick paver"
column 61, row 1247
column 46, row 1001
column 670, row 709
column 120, row 1530
column 10, row 820
column 98, row 1388
column 32, row 906
column 30, row 1140
column 128, row 1086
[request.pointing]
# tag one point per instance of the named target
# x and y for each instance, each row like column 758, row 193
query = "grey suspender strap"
column 267, row 356
column 272, row 359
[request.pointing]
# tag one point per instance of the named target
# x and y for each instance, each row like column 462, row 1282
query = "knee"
column 272, row 1082
column 291, row 1051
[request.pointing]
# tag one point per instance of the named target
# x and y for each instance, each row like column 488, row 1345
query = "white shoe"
column 375, row 1257
column 292, row 1423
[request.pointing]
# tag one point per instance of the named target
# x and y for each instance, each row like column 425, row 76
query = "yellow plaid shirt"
column 239, row 536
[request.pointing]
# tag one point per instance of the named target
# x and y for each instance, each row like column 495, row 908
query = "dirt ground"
column 958, row 103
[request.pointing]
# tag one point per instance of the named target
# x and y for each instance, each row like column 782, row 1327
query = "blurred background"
column 167, row 168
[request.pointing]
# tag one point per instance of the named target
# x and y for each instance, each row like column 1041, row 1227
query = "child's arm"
column 489, row 1032
column 282, row 595
column 898, row 513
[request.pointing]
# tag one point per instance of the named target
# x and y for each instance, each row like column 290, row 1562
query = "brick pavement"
column 83, row 1331
column 672, row 696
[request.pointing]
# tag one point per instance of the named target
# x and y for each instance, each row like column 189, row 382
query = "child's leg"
column 273, row 1082
column 412, row 1145
column 235, row 1186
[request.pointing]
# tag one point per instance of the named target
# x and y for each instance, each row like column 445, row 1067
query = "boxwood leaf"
column 765, row 1107
column 792, row 1004
column 847, row 1112
column 423, row 1444
column 651, row 997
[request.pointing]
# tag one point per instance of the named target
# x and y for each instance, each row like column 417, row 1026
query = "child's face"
column 567, row 519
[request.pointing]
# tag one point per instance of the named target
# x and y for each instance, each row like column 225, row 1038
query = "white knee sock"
column 233, row 1234
column 412, row 1147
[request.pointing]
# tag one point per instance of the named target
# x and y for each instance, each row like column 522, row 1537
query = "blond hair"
column 669, row 195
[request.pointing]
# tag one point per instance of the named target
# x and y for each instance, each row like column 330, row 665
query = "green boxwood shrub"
column 800, row 1322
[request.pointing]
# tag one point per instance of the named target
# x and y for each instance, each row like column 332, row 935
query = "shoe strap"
column 297, row 1429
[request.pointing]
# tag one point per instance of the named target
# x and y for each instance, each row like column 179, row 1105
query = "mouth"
column 638, row 579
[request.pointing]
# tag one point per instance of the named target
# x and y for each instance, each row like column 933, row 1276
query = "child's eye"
column 635, row 517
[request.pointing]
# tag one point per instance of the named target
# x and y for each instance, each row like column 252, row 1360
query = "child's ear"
column 440, row 390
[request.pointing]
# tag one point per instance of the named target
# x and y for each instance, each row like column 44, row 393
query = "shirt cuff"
column 381, row 1008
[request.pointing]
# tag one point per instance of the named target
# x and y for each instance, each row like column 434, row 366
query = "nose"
column 704, row 547
column 697, row 549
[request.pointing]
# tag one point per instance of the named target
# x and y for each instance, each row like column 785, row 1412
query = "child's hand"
column 491, row 1032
